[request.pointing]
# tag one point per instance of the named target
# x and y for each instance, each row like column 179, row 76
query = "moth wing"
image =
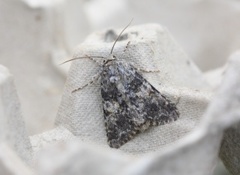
column 131, row 104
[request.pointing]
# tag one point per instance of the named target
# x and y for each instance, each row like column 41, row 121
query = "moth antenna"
column 100, row 56
column 80, row 58
column 119, row 36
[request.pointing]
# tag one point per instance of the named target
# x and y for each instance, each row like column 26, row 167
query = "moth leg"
column 127, row 46
column 95, row 77
column 86, row 56
column 91, row 58
column 147, row 70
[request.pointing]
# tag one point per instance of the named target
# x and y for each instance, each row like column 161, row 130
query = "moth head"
column 109, row 59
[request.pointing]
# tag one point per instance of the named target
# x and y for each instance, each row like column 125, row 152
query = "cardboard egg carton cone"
column 149, row 47
column 12, row 126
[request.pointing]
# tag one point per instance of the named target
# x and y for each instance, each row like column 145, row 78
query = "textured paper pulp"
column 78, row 158
column 12, row 127
column 230, row 110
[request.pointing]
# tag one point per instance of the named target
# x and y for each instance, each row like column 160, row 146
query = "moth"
column 131, row 104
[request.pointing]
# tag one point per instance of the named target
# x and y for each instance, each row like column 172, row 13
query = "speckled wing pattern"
column 131, row 104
